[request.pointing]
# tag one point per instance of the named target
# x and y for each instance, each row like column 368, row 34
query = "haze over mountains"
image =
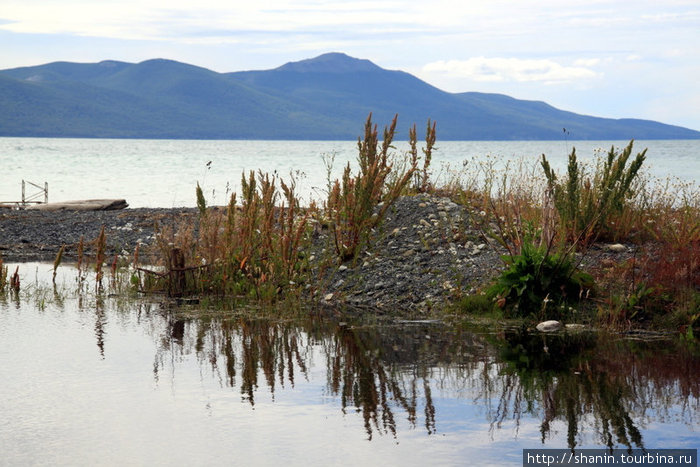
column 324, row 98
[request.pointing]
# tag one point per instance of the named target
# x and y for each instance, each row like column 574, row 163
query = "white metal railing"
column 33, row 197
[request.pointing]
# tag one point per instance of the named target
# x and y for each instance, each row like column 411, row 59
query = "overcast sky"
column 605, row 58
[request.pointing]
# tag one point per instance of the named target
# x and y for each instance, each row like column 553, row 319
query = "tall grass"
column 588, row 205
column 251, row 249
column 4, row 274
column 422, row 182
column 357, row 203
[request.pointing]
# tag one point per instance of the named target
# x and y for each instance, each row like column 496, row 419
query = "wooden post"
column 176, row 279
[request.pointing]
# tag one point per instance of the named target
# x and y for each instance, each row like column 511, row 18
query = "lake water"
column 164, row 173
column 90, row 378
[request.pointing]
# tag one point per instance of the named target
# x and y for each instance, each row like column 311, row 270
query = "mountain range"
column 323, row 98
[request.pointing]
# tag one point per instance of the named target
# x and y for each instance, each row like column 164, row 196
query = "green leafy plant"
column 588, row 206
column 538, row 280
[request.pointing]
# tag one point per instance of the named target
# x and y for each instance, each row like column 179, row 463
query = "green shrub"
column 587, row 205
column 538, row 281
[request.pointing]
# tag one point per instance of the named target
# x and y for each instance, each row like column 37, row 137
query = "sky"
column 637, row 59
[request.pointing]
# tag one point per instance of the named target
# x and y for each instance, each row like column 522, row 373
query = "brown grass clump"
column 253, row 248
column 3, row 276
column 352, row 200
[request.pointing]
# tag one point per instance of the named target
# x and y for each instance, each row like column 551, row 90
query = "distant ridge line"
column 322, row 98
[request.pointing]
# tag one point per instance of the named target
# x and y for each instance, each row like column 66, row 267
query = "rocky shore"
column 34, row 235
column 426, row 252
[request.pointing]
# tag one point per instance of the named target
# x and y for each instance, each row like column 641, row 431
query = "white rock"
column 617, row 247
column 328, row 297
column 549, row 326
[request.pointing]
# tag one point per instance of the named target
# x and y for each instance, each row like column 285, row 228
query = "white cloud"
column 586, row 62
column 513, row 69
column 178, row 20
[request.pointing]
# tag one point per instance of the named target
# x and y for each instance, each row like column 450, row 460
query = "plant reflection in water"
column 604, row 390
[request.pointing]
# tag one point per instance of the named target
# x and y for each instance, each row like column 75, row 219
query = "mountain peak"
column 334, row 62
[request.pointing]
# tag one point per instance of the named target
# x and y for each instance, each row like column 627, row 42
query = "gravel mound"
column 424, row 253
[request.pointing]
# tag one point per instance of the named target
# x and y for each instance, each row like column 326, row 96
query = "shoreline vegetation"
column 599, row 244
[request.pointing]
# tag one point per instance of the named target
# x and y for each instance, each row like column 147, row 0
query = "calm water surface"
column 94, row 379
column 164, row 173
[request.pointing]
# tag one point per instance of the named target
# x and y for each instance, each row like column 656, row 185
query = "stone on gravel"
column 549, row 326
column 617, row 248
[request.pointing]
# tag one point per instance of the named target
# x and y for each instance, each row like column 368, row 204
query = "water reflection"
column 97, row 374
column 100, row 322
column 605, row 391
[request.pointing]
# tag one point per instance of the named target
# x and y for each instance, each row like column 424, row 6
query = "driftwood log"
column 83, row 205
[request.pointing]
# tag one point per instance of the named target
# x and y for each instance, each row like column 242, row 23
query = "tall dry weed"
column 357, row 203
column 251, row 248
column 3, row 276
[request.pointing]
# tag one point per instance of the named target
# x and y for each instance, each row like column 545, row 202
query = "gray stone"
column 549, row 326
